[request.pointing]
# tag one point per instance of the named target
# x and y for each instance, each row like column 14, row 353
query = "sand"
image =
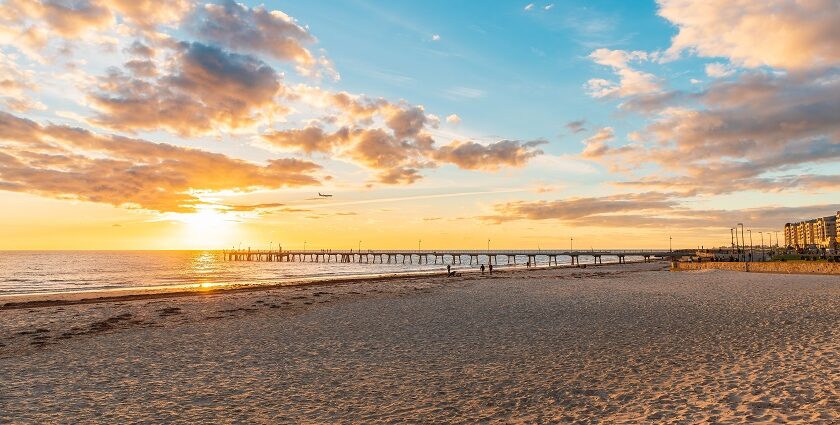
column 611, row 344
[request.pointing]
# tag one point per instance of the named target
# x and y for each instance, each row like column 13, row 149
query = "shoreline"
column 56, row 299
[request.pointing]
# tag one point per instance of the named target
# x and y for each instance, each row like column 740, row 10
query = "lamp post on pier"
column 571, row 244
column 743, row 241
column 670, row 244
column 418, row 245
column 360, row 247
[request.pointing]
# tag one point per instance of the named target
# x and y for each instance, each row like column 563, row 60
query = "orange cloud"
column 61, row 161
column 648, row 210
column 34, row 22
column 785, row 34
column 631, row 81
column 491, row 157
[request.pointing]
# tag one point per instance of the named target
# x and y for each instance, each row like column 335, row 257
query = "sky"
column 211, row 125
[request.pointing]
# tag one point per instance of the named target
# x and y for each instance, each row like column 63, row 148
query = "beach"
column 630, row 343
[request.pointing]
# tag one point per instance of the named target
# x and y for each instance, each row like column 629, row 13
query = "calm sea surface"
column 29, row 272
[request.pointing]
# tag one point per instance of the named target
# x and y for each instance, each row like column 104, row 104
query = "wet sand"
column 611, row 344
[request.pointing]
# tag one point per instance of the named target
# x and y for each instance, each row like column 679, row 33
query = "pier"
column 470, row 257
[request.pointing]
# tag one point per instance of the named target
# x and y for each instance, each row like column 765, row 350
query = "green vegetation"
column 805, row 257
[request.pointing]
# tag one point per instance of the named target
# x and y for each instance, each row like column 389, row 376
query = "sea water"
column 32, row 272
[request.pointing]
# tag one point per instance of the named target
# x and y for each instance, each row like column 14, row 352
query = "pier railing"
column 456, row 256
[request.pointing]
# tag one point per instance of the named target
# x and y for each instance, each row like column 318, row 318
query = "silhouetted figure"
column 482, row 269
column 448, row 270
column 491, row 269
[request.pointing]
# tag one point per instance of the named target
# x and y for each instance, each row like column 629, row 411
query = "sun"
column 207, row 227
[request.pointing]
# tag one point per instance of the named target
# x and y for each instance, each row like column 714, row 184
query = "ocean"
column 33, row 272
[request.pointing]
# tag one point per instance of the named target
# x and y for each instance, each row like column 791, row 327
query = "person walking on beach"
column 491, row 269
column 482, row 269
column 448, row 270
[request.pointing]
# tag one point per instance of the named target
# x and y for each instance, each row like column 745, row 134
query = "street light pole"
column 418, row 245
column 770, row 242
column 488, row 246
column 670, row 244
column 751, row 244
column 571, row 244
column 762, row 245
column 743, row 241
column 732, row 237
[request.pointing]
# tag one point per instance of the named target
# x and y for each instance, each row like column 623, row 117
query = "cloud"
column 148, row 14
column 794, row 35
column 436, row 37
column 576, row 127
column 453, row 119
column 718, row 70
column 140, row 49
column 578, row 209
column 652, row 103
column 596, row 146
column 64, row 18
column 204, row 89
column 31, row 24
column 649, row 210
column 630, row 81
column 308, row 140
column 475, row 156
column 399, row 175
column 745, row 130
column 16, row 86
column 396, row 160
column 391, row 139
column 253, row 207
column 142, row 68
column 258, row 30
column 549, row 6
column 529, row 6
column 68, row 162
column 459, row 93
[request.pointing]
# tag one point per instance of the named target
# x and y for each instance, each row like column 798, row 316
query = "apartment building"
column 815, row 233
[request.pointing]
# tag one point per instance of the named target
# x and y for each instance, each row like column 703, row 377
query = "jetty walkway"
column 441, row 256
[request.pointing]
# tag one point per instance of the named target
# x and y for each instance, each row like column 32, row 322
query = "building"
column 825, row 231
column 791, row 236
column 818, row 233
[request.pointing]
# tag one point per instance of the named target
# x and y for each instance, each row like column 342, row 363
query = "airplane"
column 324, row 195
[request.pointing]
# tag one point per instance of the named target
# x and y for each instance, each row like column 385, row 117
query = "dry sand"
column 611, row 344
